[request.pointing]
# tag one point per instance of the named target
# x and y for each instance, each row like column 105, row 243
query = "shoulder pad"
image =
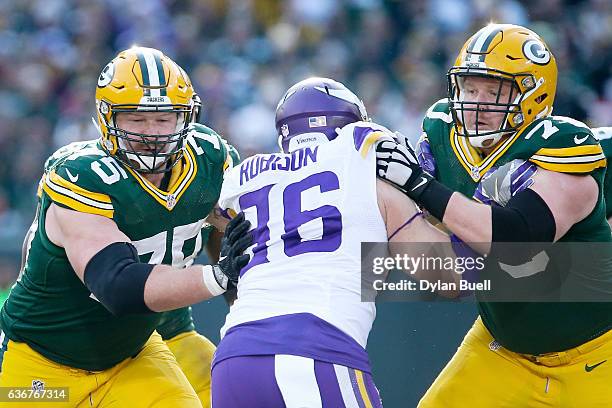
column 437, row 120
column 566, row 145
column 602, row 133
column 440, row 110
column 74, row 150
column 200, row 128
column 363, row 135
column 80, row 179
column 233, row 155
column 205, row 140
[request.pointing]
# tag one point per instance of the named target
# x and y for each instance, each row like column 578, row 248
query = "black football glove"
column 236, row 239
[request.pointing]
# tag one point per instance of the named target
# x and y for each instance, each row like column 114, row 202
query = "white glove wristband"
column 211, row 283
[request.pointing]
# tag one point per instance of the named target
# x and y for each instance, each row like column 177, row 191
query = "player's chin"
column 488, row 142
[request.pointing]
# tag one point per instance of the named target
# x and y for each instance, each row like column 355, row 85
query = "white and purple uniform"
column 299, row 298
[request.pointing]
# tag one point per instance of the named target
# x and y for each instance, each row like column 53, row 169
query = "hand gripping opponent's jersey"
column 553, row 143
column 301, row 292
column 49, row 308
column 604, row 135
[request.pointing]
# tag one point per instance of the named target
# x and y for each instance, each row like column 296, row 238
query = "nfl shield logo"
column 171, row 201
column 38, row 385
column 475, row 173
column 285, row 130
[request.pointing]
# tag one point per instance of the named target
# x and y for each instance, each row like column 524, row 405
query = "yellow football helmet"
column 516, row 56
column 144, row 80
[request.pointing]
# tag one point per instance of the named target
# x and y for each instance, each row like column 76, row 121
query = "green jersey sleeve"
column 78, row 177
column 604, row 135
column 564, row 145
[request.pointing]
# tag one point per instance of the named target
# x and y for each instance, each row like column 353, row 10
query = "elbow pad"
column 525, row 219
column 117, row 279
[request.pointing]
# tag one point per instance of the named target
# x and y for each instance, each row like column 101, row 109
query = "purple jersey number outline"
column 294, row 217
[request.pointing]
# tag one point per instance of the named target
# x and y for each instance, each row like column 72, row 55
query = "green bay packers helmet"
column 143, row 79
column 513, row 55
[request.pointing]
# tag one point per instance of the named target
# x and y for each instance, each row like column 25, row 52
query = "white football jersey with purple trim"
column 310, row 211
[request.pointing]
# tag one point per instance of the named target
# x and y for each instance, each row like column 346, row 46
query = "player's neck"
column 164, row 180
column 154, row 178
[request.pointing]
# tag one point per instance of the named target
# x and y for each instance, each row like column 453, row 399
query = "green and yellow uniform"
column 51, row 313
column 604, row 135
column 193, row 351
column 508, row 334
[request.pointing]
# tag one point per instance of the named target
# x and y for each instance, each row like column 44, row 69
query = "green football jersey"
column 604, row 135
column 553, row 143
column 49, row 308
column 175, row 322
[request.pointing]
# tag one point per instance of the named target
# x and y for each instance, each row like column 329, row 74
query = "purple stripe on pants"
column 245, row 382
column 250, row 382
column 328, row 384
column 353, row 378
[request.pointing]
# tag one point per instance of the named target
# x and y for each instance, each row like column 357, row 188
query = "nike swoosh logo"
column 579, row 141
column 423, row 181
column 589, row 368
column 71, row 177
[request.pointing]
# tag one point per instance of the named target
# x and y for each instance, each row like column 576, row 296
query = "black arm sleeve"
column 525, row 219
column 117, row 279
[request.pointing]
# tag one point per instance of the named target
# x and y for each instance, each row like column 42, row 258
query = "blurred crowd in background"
column 243, row 54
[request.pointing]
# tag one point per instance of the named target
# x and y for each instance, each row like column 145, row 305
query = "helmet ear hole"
column 529, row 112
column 540, row 98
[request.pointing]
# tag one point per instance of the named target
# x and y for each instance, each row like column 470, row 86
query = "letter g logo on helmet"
column 536, row 52
column 107, row 74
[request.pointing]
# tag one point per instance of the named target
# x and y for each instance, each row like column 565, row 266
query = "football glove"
column 398, row 165
column 236, row 239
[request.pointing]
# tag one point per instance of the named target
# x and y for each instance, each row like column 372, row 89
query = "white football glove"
column 397, row 164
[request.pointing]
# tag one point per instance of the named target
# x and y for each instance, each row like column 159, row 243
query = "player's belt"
column 564, row 357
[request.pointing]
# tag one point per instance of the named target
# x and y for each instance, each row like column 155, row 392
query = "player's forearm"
column 470, row 221
column 169, row 288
